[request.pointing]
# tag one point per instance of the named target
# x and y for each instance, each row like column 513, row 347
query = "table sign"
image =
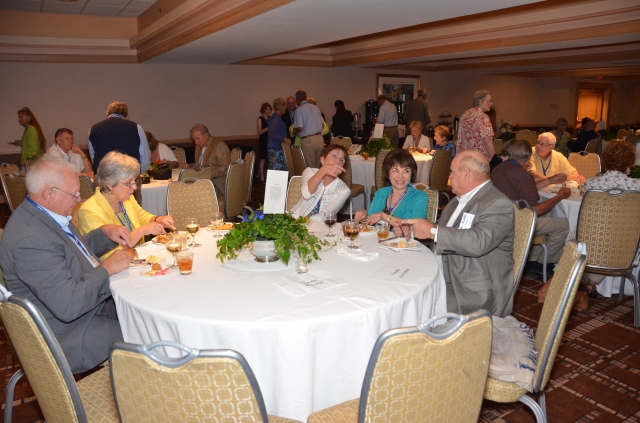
column 275, row 193
column 396, row 274
column 309, row 283
column 378, row 131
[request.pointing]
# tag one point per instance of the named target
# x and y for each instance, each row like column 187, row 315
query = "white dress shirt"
column 388, row 115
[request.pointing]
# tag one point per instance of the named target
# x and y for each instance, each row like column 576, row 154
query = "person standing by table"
column 33, row 143
column 547, row 162
column 388, row 116
column 308, row 125
column 276, row 135
column 262, row 126
column 476, row 132
column 562, row 137
column 64, row 149
column 342, row 121
column 416, row 139
column 289, row 115
column 418, row 110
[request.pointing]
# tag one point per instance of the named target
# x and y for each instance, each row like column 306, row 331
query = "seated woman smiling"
column 398, row 200
column 113, row 201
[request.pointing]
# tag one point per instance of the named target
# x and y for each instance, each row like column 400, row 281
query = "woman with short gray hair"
column 113, row 201
column 476, row 132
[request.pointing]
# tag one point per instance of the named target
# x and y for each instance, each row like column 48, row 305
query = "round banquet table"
column 364, row 172
column 154, row 194
column 307, row 351
column 570, row 209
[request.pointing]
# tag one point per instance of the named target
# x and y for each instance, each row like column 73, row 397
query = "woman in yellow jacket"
column 113, row 202
column 33, row 142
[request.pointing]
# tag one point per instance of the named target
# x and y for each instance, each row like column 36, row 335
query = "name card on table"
column 398, row 274
column 275, row 192
column 378, row 131
column 309, row 283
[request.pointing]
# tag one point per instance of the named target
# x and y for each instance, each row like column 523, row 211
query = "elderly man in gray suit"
column 46, row 260
column 474, row 240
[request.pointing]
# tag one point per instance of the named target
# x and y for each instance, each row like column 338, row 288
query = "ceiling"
column 582, row 38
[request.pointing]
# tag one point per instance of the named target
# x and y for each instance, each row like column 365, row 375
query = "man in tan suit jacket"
column 213, row 153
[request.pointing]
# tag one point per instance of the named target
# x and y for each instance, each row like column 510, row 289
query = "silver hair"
column 548, row 136
column 198, row 127
column 479, row 96
column 279, row 104
column 47, row 172
column 116, row 167
column 517, row 150
column 479, row 167
column 422, row 92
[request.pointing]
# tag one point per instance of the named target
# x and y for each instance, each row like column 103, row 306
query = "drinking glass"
column 383, row 230
column 193, row 226
column 175, row 243
column 185, row 262
column 330, row 220
column 351, row 229
column 216, row 220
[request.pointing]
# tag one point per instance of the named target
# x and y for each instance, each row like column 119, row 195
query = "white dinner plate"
column 396, row 244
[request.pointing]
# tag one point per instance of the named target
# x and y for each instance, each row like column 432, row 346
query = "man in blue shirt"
column 308, row 126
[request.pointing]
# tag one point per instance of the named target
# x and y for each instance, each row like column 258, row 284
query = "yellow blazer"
column 97, row 211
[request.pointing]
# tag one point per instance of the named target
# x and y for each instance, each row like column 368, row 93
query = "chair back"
column 249, row 167
column 204, row 173
column 524, row 224
column 9, row 168
column 417, row 374
column 299, row 163
column 288, row 159
column 209, row 385
column 379, row 161
column 87, row 189
column 530, row 136
column 624, row 133
column 343, row 141
column 75, row 215
column 42, row 360
column 555, row 311
column 180, row 155
column 609, row 224
column 593, row 146
column 235, row 154
column 497, row 146
column 432, row 205
column 587, row 164
column 191, row 198
column 439, row 178
column 346, row 175
column 235, row 199
column 15, row 188
column 294, row 192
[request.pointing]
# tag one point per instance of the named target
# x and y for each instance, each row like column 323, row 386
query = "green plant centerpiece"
column 289, row 235
column 374, row 145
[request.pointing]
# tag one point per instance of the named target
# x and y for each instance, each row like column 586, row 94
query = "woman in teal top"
column 33, row 142
column 398, row 200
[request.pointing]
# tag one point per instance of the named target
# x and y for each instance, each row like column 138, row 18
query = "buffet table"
column 308, row 350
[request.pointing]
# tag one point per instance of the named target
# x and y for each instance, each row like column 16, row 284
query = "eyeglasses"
column 341, row 159
column 75, row 196
column 131, row 185
column 546, row 145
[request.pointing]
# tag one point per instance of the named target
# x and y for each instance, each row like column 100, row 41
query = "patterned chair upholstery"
column 288, row 159
column 439, row 175
column 587, row 164
column 432, row 205
column 235, row 197
column 609, row 223
column 191, row 198
column 525, row 224
column 624, row 133
column 87, row 189
column 294, row 192
column 180, row 155
column 202, row 386
column 235, row 154
column 417, row 374
column 249, row 167
column 204, row 173
column 75, row 218
column 61, row 399
column 593, row 146
column 553, row 320
column 343, row 141
column 529, row 136
column 6, row 168
column 15, row 188
column 299, row 163
column 379, row 176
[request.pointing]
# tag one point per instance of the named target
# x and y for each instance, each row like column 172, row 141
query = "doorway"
column 593, row 101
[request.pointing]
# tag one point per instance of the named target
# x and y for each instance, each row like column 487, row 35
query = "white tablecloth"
column 364, row 172
column 570, row 208
column 308, row 352
column 154, row 195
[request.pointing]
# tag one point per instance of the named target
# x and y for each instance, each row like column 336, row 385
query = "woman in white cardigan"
column 420, row 142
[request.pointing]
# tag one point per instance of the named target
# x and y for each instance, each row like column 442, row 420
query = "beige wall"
column 168, row 99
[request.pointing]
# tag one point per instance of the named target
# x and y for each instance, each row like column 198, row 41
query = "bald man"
column 474, row 240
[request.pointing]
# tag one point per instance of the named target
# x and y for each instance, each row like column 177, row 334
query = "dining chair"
column 294, row 192
column 530, row 136
column 497, row 146
column 378, row 169
column 524, row 227
column 346, row 177
column 609, row 223
column 204, row 173
column 423, row 374
column 439, row 175
column 87, row 189
column 202, row 385
column 235, row 154
column 180, row 155
column 624, row 133
column 75, row 218
column 250, row 162
column 432, row 205
column 587, row 164
column 553, row 319
column 593, row 146
column 9, row 168
column 343, row 141
column 234, row 198
column 191, row 198
column 299, row 163
column 59, row 396
column 15, row 188
column 288, row 159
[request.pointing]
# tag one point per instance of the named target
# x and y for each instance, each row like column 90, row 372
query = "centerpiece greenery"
column 289, row 235
column 374, row 145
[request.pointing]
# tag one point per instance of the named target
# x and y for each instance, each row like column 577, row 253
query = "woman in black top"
column 342, row 121
column 262, row 128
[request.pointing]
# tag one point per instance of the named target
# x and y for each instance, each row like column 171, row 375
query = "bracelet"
column 155, row 219
column 389, row 220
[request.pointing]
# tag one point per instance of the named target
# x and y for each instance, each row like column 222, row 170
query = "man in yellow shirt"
column 547, row 162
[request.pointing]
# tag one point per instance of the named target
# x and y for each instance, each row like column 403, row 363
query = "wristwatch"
column 434, row 231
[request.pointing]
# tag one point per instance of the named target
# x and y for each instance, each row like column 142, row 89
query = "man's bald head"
column 468, row 170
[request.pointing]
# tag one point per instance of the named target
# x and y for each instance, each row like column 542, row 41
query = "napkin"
column 356, row 254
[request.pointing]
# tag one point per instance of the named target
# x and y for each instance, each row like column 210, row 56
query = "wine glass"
column 351, row 229
column 193, row 226
column 216, row 220
column 330, row 220
column 175, row 243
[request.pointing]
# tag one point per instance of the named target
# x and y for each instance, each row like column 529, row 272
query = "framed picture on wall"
column 398, row 87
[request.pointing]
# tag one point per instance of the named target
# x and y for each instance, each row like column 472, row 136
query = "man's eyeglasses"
column 75, row 196
column 131, row 185
column 546, row 145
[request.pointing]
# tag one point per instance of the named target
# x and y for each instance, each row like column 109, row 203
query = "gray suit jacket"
column 417, row 109
column 478, row 262
column 41, row 263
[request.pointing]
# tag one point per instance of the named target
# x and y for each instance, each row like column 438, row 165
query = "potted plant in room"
column 288, row 235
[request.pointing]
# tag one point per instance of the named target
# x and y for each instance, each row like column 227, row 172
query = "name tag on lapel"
column 467, row 221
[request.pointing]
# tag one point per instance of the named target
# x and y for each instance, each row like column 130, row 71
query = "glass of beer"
column 383, row 230
column 185, row 262
column 351, row 229
column 193, row 226
column 174, row 244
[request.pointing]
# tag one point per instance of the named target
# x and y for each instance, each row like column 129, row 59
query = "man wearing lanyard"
column 65, row 149
column 46, row 260
column 511, row 177
column 211, row 152
column 388, row 116
column 547, row 162
column 308, row 126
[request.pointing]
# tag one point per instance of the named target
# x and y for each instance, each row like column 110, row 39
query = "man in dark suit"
column 418, row 110
column 290, row 113
column 474, row 239
column 46, row 260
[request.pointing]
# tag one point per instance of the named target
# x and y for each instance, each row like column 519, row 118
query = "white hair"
column 547, row 136
column 47, row 172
